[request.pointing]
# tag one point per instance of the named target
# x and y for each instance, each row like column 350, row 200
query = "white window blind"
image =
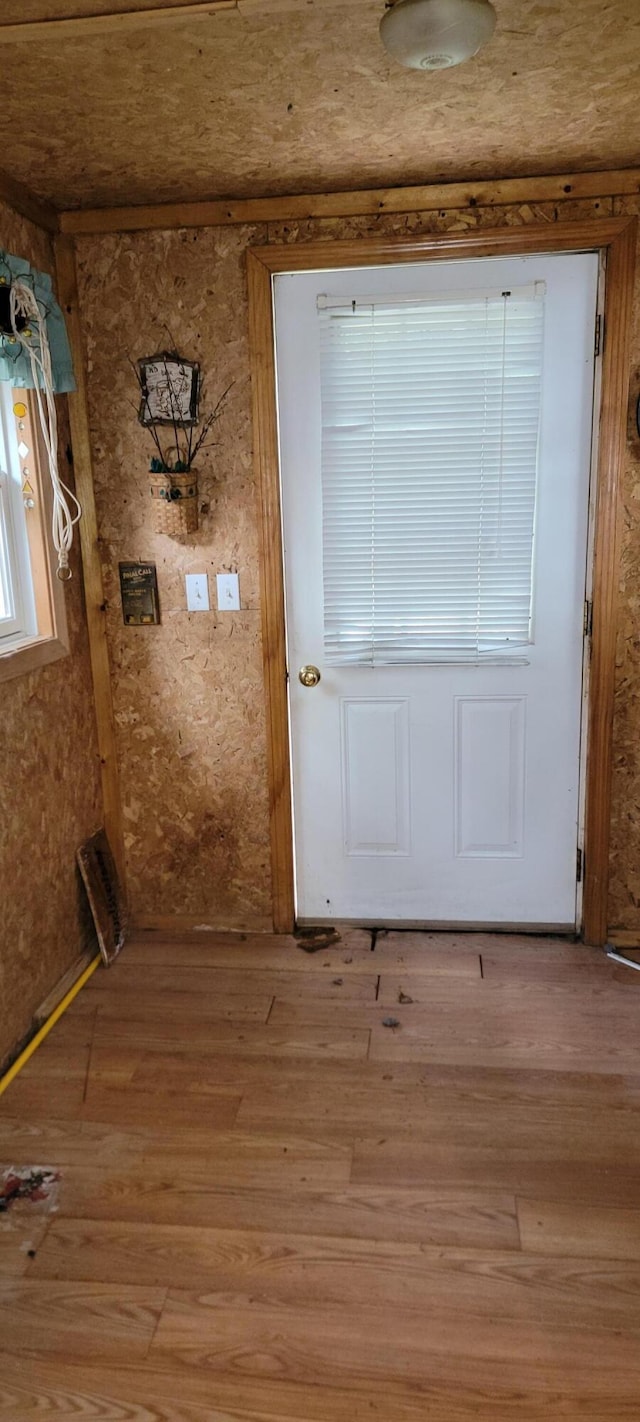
column 17, row 615
column 9, row 612
column 430, row 419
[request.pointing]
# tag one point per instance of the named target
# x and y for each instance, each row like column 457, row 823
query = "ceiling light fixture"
column 436, row 34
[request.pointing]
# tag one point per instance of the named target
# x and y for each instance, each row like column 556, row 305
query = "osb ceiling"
column 299, row 96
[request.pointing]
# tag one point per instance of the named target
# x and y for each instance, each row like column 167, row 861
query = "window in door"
column 430, row 427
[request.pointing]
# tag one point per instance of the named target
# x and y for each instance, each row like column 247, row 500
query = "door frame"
column 615, row 239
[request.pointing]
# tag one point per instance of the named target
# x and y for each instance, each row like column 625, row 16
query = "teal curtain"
column 15, row 366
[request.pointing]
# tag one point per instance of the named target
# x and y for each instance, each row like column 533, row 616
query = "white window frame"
column 15, row 561
column 36, row 631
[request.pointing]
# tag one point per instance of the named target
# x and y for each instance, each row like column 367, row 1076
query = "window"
column 32, row 618
column 430, row 419
column 17, row 609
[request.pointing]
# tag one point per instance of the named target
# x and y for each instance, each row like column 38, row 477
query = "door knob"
column 309, row 676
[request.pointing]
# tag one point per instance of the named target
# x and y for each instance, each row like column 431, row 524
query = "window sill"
column 29, row 655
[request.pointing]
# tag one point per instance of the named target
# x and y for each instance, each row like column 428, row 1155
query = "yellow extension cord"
column 44, row 1031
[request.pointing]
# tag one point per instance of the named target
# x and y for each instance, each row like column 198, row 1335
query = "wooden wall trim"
column 194, row 927
column 27, row 204
column 266, row 464
column 619, row 287
column 116, row 22
column 222, row 212
column 624, row 938
column 617, row 237
column 91, row 565
column 589, row 234
column 113, row 22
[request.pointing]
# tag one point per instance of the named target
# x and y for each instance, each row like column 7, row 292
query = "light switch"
column 228, row 592
column 197, row 592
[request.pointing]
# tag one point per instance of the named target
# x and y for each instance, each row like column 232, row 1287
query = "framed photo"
column 170, row 390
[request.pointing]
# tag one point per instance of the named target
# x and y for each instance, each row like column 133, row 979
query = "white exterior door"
column 435, row 433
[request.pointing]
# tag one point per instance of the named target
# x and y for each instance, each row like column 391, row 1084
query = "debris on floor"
column 313, row 940
column 28, row 1199
column 390, row 1022
column 36, row 1183
column 404, row 997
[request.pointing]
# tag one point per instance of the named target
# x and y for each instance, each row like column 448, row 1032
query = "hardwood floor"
column 276, row 1207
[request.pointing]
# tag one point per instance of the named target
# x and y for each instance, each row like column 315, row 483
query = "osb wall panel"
column 307, row 100
column 624, row 888
column 49, row 784
column 189, row 695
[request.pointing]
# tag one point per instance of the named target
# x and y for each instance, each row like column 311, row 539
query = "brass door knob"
column 309, row 676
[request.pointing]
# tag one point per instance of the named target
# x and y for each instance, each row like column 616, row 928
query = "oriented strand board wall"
column 188, row 695
column 49, row 786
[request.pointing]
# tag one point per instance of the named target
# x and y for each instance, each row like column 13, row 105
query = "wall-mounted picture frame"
column 170, row 389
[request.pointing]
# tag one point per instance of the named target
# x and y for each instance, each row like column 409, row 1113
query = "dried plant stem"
column 153, row 432
column 210, row 420
column 172, row 400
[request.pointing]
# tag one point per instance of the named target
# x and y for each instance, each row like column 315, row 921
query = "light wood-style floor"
column 275, row 1208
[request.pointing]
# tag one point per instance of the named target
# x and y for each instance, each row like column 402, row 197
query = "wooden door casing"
column 616, row 239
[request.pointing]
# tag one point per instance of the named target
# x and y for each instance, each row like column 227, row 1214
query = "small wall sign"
column 139, row 591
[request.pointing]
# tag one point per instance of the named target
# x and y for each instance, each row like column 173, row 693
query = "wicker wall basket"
column 175, row 502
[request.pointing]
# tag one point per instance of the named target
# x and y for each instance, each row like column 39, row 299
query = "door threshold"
column 410, row 925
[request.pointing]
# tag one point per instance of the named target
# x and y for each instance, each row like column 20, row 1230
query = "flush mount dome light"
column 436, row 34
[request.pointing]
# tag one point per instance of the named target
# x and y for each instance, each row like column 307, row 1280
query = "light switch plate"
column 197, row 585
column 228, row 592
